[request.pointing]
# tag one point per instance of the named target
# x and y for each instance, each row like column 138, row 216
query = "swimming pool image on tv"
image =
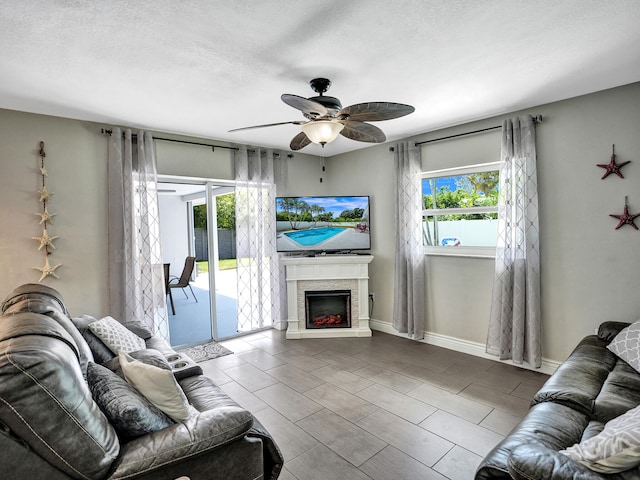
column 313, row 236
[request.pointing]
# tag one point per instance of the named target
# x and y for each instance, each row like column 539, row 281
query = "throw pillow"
column 148, row 356
column 116, row 336
column 615, row 449
column 129, row 412
column 158, row 385
column 101, row 353
column 626, row 345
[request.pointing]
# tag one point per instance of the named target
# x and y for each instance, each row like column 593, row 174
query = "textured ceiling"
column 201, row 68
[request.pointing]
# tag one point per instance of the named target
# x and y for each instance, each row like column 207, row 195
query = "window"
column 460, row 210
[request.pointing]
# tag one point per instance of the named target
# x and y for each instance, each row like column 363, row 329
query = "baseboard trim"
column 463, row 346
column 280, row 324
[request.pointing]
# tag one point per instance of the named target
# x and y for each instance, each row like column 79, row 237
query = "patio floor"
column 191, row 323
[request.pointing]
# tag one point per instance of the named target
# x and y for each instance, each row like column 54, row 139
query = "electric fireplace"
column 328, row 309
column 327, row 296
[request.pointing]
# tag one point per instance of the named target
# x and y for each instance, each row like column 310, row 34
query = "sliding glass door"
column 183, row 232
column 222, row 260
column 199, row 220
column 211, row 230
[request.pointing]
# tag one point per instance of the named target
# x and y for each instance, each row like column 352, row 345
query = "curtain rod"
column 536, row 119
column 213, row 147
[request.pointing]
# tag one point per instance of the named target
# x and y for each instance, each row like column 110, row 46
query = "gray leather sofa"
column 587, row 390
column 51, row 427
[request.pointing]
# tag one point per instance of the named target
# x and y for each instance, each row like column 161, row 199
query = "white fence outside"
column 470, row 233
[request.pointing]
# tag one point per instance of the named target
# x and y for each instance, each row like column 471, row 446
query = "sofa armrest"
column 608, row 330
column 535, row 461
column 273, row 459
column 204, row 431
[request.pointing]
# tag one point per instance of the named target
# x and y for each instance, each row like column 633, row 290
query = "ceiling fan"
column 326, row 118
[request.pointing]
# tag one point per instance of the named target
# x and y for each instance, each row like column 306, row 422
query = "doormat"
column 207, row 351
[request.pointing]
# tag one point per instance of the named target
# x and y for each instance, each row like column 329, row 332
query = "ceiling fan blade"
column 299, row 141
column 295, row 122
column 306, row 106
column 363, row 132
column 374, row 111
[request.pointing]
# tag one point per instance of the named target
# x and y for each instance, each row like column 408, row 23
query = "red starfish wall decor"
column 626, row 218
column 612, row 166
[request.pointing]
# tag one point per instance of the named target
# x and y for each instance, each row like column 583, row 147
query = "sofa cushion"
column 116, row 336
column 158, row 385
column 615, row 449
column 46, row 401
column 101, row 353
column 204, row 394
column 607, row 331
column 626, row 345
column 139, row 328
column 620, row 393
column 32, row 291
column 533, row 461
column 553, row 425
column 128, row 411
column 190, row 441
column 45, row 300
column 579, row 379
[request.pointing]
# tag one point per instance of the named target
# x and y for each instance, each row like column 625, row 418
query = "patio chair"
column 184, row 279
column 167, row 290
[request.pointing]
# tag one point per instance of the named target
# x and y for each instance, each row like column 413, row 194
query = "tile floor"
column 377, row 408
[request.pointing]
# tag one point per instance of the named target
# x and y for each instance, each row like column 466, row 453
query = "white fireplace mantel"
column 327, row 272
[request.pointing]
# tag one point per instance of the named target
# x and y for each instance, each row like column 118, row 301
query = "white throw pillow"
column 626, row 345
column 157, row 385
column 116, row 336
column 615, row 449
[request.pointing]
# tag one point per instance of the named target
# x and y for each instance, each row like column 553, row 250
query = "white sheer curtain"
column 515, row 327
column 258, row 265
column 136, row 276
column 409, row 294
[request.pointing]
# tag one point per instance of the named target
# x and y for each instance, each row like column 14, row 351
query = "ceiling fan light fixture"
column 322, row 131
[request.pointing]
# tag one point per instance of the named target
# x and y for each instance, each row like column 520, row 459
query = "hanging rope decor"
column 46, row 218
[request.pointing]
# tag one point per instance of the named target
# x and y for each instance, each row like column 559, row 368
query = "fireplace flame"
column 327, row 320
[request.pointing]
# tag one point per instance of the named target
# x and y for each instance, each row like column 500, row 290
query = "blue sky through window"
column 440, row 182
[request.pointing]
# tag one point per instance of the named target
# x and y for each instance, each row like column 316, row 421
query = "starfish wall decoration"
column 46, row 218
column 626, row 218
column 46, row 240
column 48, row 270
column 44, row 194
column 612, row 166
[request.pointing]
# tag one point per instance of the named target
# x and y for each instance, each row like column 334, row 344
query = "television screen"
column 322, row 224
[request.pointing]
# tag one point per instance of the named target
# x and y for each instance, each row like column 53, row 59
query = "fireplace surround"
column 324, row 274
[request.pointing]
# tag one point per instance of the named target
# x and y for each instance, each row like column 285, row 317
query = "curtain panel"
column 515, row 330
column 136, row 275
column 258, row 262
column 409, row 285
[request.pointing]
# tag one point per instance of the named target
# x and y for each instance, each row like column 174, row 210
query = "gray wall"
column 590, row 272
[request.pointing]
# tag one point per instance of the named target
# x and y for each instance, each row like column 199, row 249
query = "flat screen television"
column 323, row 224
